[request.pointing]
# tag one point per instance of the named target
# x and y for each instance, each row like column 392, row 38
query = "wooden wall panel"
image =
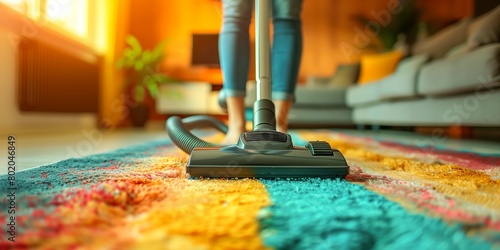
column 445, row 10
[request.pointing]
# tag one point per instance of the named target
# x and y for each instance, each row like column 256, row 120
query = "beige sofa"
column 452, row 78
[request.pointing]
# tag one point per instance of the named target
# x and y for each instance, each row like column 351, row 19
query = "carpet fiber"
column 396, row 197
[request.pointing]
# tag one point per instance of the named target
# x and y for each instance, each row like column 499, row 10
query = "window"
column 19, row 5
column 71, row 15
column 76, row 18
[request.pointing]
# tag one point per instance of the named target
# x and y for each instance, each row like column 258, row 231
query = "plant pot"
column 139, row 115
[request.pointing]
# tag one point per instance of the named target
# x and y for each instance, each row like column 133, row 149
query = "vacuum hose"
column 179, row 131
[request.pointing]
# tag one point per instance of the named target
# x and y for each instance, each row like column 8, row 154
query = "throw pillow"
column 485, row 29
column 345, row 75
column 457, row 51
column 440, row 43
column 377, row 66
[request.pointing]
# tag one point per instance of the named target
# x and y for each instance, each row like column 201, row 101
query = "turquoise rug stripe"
column 297, row 140
column 336, row 214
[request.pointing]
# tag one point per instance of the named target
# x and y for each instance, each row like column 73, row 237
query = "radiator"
column 52, row 79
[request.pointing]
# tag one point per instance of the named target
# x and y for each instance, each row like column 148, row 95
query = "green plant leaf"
column 147, row 57
column 139, row 93
column 129, row 53
column 143, row 64
column 127, row 59
column 134, row 44
column 152, row 87
column 139, row 65
column 158, row 51
column 160, row 78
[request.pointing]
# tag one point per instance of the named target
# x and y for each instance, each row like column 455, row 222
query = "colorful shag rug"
column 396, row 197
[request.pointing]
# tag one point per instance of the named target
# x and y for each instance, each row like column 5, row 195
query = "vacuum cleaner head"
column 267, row 154
column 263, row 152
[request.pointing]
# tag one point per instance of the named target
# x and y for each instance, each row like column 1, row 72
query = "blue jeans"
column 286, row 51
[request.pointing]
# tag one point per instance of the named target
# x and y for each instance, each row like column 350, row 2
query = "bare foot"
column 232, row 136
column 236, row 123
column 282, row 109
column 283, row 128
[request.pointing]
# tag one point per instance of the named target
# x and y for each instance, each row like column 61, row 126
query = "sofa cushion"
column 459, row 74
column 361, row 95
column 345, row 75
column 402, row 83
column 440, row 43
column 314, row 96
column 319, row 117
column 485, row 29
column 457, row 51
column 377, row 66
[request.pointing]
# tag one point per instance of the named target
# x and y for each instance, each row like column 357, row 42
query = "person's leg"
column 236, row 119
column 282, row 108
column 234, row 52
column 285, row 57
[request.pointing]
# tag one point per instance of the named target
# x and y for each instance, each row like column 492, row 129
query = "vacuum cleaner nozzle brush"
column 268, row 154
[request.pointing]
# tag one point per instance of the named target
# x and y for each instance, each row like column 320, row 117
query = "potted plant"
column 142, row 76
column 402, row 27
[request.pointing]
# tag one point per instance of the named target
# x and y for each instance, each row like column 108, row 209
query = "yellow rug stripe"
column 218, row 213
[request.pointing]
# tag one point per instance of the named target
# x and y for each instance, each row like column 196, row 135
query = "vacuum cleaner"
column 262, row 152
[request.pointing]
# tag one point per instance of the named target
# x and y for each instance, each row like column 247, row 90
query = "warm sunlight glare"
column 33, row 9
column 19, row 5
column 84, row 19
column 103, row 16
column 70, row 15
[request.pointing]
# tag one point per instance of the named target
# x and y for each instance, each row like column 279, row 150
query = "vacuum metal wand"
column 262, row 60
column 264, row 117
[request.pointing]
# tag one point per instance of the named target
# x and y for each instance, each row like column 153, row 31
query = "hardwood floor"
column 38, row 149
